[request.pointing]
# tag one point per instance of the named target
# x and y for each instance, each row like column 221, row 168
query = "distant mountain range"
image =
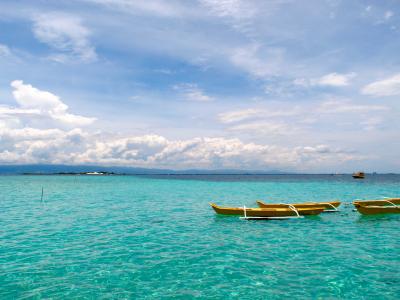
column 57, row 169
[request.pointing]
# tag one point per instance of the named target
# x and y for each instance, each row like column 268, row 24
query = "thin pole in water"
column 41, row 198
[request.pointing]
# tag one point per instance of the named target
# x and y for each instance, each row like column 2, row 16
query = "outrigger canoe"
column 376, row 210
column 266, row 212
column 328, row 206
column 359, row 175
column 375, row 207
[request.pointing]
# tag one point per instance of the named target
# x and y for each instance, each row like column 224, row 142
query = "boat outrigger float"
column 287, row 212
column 328, row 206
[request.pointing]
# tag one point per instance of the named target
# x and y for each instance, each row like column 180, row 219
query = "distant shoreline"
column 93, row 170
column 189, row 174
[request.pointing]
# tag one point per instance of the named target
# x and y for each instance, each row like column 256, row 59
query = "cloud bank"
column 24, row 141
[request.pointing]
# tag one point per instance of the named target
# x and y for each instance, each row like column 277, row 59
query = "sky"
column 299, row 86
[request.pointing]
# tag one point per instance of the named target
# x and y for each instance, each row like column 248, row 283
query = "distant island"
column 73, row 173
column 47, row 169
column 94, row 170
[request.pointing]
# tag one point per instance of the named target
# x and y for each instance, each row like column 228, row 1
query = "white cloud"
column 258, row 61
column 153, row 7
column 346, row 106
column 320, row 154
column 372, row 123
column 64, row 33
column 24, row 143
column 32, row 101
column 252, row 113
column 192, row 92
column 230, row 8
column 388, row 14
column 239, row 14
column 386, row 87
column 243, row 15
column 264, row 128
column 4, row 50
column 286, row 120
column 335, row 79
column 29, row 97
column 331, row 79
column 238, row 115
column 6, row 110
column 31, row 145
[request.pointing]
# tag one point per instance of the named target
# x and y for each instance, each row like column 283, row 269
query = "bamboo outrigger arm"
column 334, row 209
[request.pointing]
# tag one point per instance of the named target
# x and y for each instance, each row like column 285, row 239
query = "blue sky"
column 310, row 86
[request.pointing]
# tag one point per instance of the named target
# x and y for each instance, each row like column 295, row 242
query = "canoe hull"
column 377, row 207
column 325, row 205
column 265, row 212
column 377, row 210
column 383, row 202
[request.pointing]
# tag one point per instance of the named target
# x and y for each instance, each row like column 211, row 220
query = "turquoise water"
column 126, row 237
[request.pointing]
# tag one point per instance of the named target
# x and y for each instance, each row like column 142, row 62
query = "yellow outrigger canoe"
column 328, row 206
column 375, row 207
column 266, row 212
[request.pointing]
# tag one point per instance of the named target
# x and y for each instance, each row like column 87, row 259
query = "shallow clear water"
column 157, row 238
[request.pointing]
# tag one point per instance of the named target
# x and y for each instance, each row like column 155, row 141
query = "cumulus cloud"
column 22, row 142
column 34, row 102
column 385, row 87
column 30, row 145
column 66, row 34
column 331, row 79
column 192, row 92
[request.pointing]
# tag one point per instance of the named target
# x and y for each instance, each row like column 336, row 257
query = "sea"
column 156, row 237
